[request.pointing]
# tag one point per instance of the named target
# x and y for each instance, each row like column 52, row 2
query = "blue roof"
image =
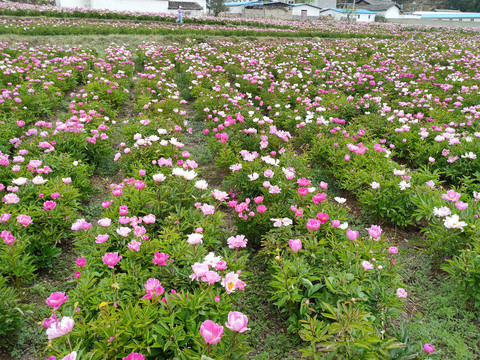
column 357, row 11
column 244, row 3
column 452, row 16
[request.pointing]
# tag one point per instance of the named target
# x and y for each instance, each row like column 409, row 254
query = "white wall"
column 392, row 13
column 343, row 16
column 234, row 9
column 430, row 22
column 311, row 11
column 365, row 17
column 129, row 5
column 73, row 3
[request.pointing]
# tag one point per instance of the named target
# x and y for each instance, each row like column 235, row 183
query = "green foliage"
column 12, row 314
column 464, row 270
column 349, row 335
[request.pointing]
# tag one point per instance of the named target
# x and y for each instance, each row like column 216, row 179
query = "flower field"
column 190, row 200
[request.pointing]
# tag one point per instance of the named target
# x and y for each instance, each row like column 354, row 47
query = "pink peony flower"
column 24, row 220
column 154, row 288
column 221, row 265
column 231, row 282
column 207, row 209
column 211, row 332
column 261, row 209
column 5, row 218
column 49, row 205
column 195, row 239
column 100, row 239
column 302, row 191
column 401, row 293
column 71, row 356
column 123, row 231
column 47, row 322
column 134, row 356
column 428, row 348
column 149, row 219
column 392, row 250
column 111, row 259
column 199, row 270
column 237, row 241
column 159, row 177
column 304, row 182
column 10, row 199
column 56, row 299
column 139, row 231
column 451, row 195
column 367, row 265
column 352, row 234
column 211, row 277
column 295, row 244
column 61, row 328
column 318, row 198
column 7, row 237
column 81, row 224
column 160, row 259
column 106, row 204
column 106, row 222
column 460, row 205
column 313, row 224
column 123, row 210
column 81, row 262
column 237, row 322
column 134, row 245
column 323, row 217
column 374, row 231
column 258, row 199
column 139, row 185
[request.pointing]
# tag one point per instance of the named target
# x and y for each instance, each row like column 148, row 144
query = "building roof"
column 257, row 2
column 272, row 4
column 451, row 16
column 357, row 11
column 447, row 10
column 377, row 5
column 186, row 5
column 243, row 3
column 305, row 4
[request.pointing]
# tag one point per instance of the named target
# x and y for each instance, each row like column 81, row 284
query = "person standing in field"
column 180, row 20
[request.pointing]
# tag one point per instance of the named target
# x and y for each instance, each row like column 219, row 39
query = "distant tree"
column 217, row 6
column 464, row 5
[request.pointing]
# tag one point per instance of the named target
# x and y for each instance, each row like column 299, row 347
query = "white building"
column 150, row 6
column 386, row 8
column 305, row 11
column 360, row 15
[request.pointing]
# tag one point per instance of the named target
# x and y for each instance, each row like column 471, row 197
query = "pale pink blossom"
column 237, row 322
column 61, row 328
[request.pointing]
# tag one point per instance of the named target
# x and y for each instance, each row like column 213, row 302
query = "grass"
column 268, row 336
column 441, row 316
